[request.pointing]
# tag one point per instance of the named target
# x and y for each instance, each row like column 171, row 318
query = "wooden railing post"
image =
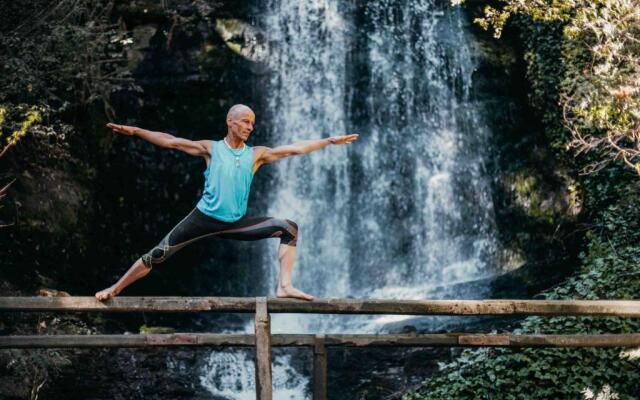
column 263, row 351
column 319, row 368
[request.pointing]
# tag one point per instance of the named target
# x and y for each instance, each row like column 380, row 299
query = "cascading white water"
column 405, row 212
column 232, row 375
column 430, row 182
column 307, row 102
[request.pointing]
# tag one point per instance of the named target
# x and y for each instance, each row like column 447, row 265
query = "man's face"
column 242, row 124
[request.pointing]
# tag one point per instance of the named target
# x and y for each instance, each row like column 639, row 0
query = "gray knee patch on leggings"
column 158, row 254
column 291, row 236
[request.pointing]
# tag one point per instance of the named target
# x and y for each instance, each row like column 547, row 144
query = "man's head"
column 240, row 121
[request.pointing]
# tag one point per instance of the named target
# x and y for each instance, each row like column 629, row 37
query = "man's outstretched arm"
column 191, row 147
column 269, row 155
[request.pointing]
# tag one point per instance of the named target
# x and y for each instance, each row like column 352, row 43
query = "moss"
column 144, row 329
column 498, row 56
column 548, row 196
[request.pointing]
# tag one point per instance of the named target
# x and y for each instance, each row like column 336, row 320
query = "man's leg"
column 257, row 228
column 137, row 271
column 192, row 227
column 287, row 257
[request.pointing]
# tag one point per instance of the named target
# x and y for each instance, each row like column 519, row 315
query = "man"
column 230, row 166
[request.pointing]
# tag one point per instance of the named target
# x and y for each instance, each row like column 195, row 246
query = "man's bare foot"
column 106, row 293
column 290, row 291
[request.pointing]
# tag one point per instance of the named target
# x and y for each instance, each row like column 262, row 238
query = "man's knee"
column 293, row 224
column 291, row 228
column 157, row 255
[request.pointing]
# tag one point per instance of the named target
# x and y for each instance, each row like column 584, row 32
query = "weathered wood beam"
column 620, row 308
column 129, row 304
column 280, row 340
column 148, row 340
column 319, row 368
column 264, row 387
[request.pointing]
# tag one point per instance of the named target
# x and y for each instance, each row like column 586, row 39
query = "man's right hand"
column 122, row 129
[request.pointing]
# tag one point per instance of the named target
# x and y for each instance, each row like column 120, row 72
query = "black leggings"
column 197, row 225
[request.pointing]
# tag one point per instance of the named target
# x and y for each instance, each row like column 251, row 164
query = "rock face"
column 81, row 219
column 536, row 200
column 243, row 39
column 52, row 199
column 140, row 374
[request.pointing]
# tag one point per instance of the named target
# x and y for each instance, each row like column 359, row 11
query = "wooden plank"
column 392, row 340
column 603, row 340
column 484, row 340
column 82, row 341
column 128, row 304
column 621, row 308
column 298, row 340
column 319, row 368
column 263, row 351
column 243, row 340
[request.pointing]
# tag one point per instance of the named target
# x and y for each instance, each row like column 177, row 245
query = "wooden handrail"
column 309, row 340
column 620, row 308
column 263, row 340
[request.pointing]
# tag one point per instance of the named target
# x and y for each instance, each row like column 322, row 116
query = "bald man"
column 230, row 166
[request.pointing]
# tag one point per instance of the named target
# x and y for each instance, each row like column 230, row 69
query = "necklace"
column 236, row 153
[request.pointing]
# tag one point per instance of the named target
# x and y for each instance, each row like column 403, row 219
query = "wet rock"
column 155, row 374
column 50, row 199
column 243, row 39
column 45, row 292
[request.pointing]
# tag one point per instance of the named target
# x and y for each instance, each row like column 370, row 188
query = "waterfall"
column 232, row 375
column 405, row 212
column 308, row 102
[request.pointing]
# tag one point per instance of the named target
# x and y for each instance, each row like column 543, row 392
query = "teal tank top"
column 227, row 182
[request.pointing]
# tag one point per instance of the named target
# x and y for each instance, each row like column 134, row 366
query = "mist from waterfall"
column 405, row 212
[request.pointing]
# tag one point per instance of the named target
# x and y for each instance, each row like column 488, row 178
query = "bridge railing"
column 263, row 340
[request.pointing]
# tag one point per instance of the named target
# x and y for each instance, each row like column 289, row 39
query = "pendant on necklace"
column 237, row 162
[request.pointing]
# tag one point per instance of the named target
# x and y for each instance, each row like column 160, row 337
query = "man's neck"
column 233, row 141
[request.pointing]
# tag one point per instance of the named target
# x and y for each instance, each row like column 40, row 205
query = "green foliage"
column 609, row 271
column 600, row 75
column 32, row 117
column 67, row 55
column 59, row 58
column 601, row 90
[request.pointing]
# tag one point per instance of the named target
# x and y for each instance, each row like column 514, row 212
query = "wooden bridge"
column 263, row 340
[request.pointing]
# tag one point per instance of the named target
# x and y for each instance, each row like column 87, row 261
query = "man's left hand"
column 344, row 139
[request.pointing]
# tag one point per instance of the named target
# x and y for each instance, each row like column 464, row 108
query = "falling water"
column 405, row 212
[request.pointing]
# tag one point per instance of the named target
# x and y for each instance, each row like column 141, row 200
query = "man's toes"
column 103, row 295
